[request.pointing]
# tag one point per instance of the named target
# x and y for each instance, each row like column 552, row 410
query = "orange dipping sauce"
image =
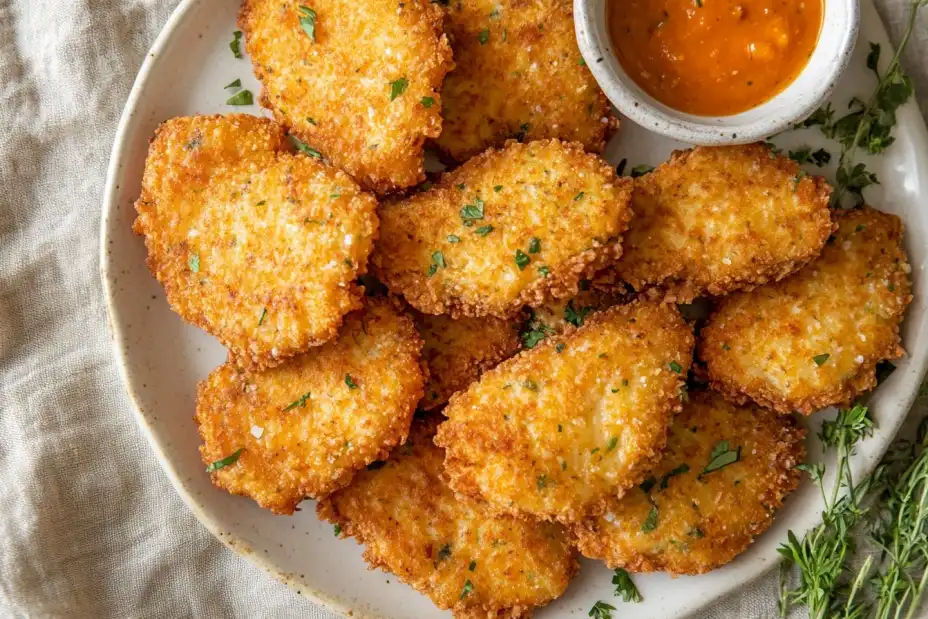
column 714, row 57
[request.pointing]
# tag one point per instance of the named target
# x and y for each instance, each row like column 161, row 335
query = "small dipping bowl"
column 810, row 89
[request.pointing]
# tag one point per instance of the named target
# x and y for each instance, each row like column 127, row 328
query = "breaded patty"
column 361, row 86
column 717, row 219
column 452, row 550
column 518, row 74
column 554, row 431
column 517, row 226
column 258, row 246
column 815, row 338
column 302, row 429
column 458, row 351
column 724, row 473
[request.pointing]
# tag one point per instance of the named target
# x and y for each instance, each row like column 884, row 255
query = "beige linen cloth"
column 89, row 525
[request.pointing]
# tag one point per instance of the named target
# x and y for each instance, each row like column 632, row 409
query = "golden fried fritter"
column 518, row 73
column 511, row 227
column 559, row 428
column 451, row 549
column 724, row 473
column 358, row 83
column 302, row 429
column 718, row 219
column 258, row 246
column 458, row 351
column 815, row 338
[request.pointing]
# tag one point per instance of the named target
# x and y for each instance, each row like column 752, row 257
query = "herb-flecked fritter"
column 724, row 473
column 713, row 220
column 451, row 549
column 518, row 73
column 359, row 83
column 815, row 339
column 458, row 351
column 303, row 428
column 554, row 431
column 511, row 227
column 258, row 246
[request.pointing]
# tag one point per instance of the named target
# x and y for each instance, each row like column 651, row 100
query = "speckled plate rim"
column 864, row 461
column 117, row 336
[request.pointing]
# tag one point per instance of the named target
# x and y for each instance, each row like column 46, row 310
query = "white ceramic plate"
column 161, row 358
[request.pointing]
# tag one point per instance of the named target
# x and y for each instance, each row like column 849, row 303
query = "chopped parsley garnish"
column 530, row 385
column 581, row 62
column 721, row 457
column 453, row 238
column 223, row 463
column 472, row 566
column 578, row 197
column 337, row 530
column 805, row 155
column 483, row 36
column 235, row 84
column 612, row 443
column 542, row 482
column 624, row 587
column 650, row 523
column 821, row 359
column 559, row 347
column 299, row 402
column 467, row 590
column 675, row 367
column 680, row 470
column 398, row 87
column 350, row 382
column 575, row 316
column 696, row 532
column 443, row 553
column 521, row 259
column 534, row 245
column 243, row 97
column 303, row 148
column 438, row 262
column 194, row 262
column 545, row 271
column 310, row 120
column 263, row 316
column 641, row 170
column 472, row 211
column 601, row 610
column 236, row 44
column 427, row 102
column 483, row 230
column 498, row 188
column 308, row 22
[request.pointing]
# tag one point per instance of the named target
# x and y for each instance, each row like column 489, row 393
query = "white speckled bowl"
column 795, row 103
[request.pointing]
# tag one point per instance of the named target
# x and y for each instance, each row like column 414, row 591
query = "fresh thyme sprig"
column 870, row 123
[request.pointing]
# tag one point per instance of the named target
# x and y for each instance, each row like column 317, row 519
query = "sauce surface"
column 714, row 57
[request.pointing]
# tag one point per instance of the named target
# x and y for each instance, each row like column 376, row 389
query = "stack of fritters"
column 542, row 288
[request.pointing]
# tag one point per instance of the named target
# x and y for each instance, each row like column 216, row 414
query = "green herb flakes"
column 236, row 44
column 542, row 482
column 453, row 238
column 303, row 148
column 337, row 530
column 263, row 317
column 821, row 359
column 350, row 382
column 601, row 610
column 650, row 523
column 473, row 211
column 427, row 102
column 443, row 553
column 483, row 36
column 624, row 587
column 721, row 457
column 243, row 97
column 544, row 271
column 299, row 402
column 675, row 367
column 223, row 463
column 498, row 188
column 612, row 443
column 472, row 566
column 578, row 197
column 575, row 316
column 534, row 245
column 308, row 22
column 521, row 259
column 235, row 84
column 193, row 262
column 398, row 87
column 467, row 590
column 438, row 262
column 483, row 230
column 641, row 170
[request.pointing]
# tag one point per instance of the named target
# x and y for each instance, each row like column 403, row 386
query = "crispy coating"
column 518, row 73
column 814, row 339
column 554, row 431
column 366, row 92
column 718, row 219
column 258, row 246
column 690, row 521
column 413, row 525
column 458, row 351
column 511, row 227
column 306, row 426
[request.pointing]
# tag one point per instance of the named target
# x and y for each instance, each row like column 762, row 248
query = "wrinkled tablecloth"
column 89, row 525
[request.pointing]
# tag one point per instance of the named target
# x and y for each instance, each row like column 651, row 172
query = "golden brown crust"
column 843, row 310
column 713, row 220
column 518, row 72
column 306, row 426
column 571, row 201
column 458, row 351
column 413, row 525
column 701, row 521
column 336, row 93
column 551, row 432
column 258, row 246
